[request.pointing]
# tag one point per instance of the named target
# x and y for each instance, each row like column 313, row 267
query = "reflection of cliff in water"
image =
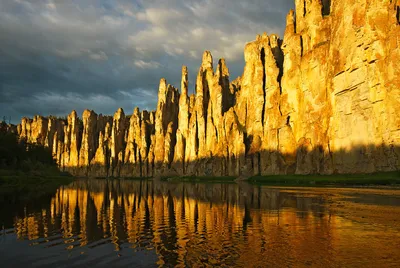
column 243, row 197
column 192, row 224
column 182, row 222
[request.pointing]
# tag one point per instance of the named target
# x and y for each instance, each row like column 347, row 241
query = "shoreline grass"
column 30, row 183
column 224, row 179
column 381, row 179
column 29, row 186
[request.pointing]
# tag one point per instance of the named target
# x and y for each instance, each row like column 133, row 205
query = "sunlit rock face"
column 339, row 85
column 322, row 100
column 89, row 140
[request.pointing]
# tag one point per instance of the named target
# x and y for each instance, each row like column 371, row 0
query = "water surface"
column 116, row 223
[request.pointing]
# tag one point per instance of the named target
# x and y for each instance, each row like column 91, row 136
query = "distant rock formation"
column 323, row 100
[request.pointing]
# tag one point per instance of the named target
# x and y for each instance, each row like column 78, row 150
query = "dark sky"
column 60, row 55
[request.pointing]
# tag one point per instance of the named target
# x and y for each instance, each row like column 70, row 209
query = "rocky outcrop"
column 34, row 130
column 117, row 143
column 322, row 100
column 166, row 123
column 89, row 140
column 182, row 132
column 72, row 142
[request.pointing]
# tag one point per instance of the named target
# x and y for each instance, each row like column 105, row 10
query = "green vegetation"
column 27, row 168
column 19, row 156
column 226, row 179
column 27, row 187
column 384, row 178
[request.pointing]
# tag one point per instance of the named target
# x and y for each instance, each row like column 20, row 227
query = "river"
column 120, row 223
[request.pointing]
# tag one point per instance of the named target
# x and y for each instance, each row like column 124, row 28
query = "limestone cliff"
column 324, row 99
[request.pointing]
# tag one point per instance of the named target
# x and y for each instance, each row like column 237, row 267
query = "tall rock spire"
column 117, row 142
column 166, row 123
column 89, row 138
column 183, row 124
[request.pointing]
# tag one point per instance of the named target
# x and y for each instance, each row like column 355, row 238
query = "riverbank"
column 27, row 170
column 374, row 179
column 30, row 186
column 35, row 185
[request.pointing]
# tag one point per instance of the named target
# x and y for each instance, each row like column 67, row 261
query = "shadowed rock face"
column 325, row 99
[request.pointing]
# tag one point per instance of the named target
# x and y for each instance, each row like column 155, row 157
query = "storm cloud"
column 60, row 55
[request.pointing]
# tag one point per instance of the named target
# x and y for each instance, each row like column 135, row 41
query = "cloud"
column 147, row 65
column 51, row 5
column 98, row 56
column 58, row 55
column 159, row 16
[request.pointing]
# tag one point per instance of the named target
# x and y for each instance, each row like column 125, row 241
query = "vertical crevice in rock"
column 170, row 142
column 206, row 99
column 276, row 47
column 145, row 132
column 196, row 138
column 264, row 77
column 326, row 7
column 227, row 95
column 301, row 46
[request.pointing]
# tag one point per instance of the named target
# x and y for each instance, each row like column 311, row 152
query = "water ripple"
column 122, row 223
